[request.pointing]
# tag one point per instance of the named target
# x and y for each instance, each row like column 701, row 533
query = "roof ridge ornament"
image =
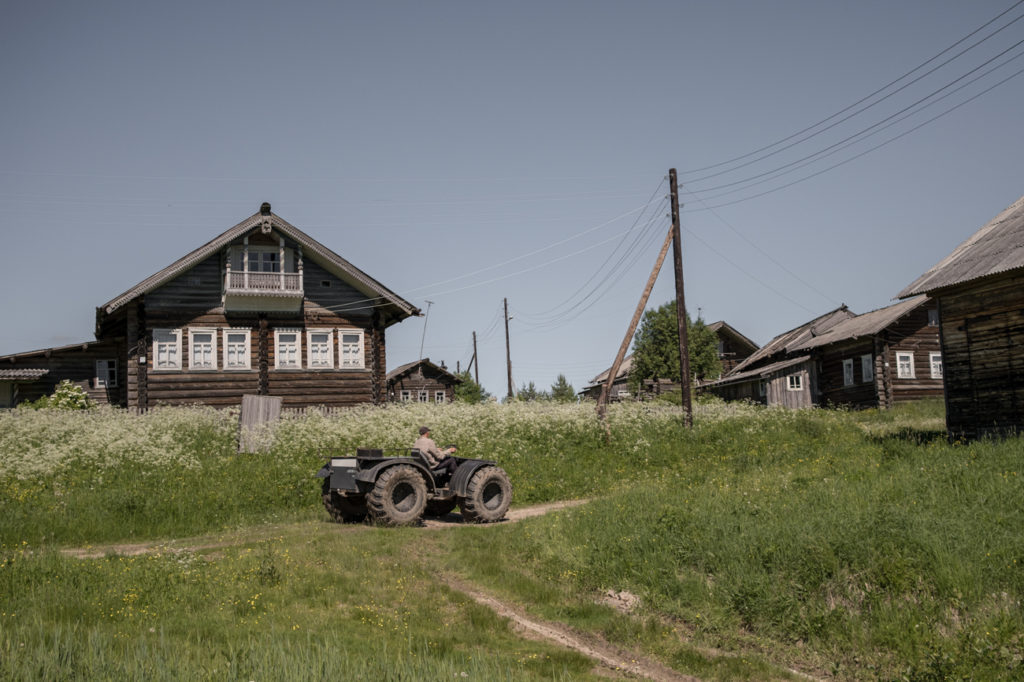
column 265, row 219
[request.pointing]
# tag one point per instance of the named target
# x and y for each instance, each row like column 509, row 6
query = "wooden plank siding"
column 76, row 364
column 983, row 353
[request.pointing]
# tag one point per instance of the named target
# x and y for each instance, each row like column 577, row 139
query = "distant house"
column 422, row 381
column 620, row 386
column 872, row 360
column 262, row 308
column 733, row 347
column 980, row 292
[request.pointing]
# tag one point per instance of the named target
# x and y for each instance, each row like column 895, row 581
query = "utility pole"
column 426, row 317
column 476, row 362
column 508, row 353
column 684, row 342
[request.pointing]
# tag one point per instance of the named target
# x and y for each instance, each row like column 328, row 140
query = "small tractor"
column 397, row 487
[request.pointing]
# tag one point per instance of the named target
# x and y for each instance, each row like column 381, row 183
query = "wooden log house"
column 422, row 381
column 261, row 309
column 979, row 288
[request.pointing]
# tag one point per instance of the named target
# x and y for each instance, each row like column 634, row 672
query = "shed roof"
column 867, row 324
column 757, row 373
column 996, row 248
column 332, row 262
column 22, row 374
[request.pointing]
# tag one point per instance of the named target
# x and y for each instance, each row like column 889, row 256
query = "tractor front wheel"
column 488, row 496
column 398, row 497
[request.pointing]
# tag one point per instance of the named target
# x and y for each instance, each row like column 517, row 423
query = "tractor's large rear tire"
column 343, row 508
column 399, row 496
column 488, row 496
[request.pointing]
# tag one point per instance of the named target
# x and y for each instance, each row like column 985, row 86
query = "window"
column 867, row 368
column 261, row 260
column 795, row 382
column 286, row 349
column 236, row 349
column 202, row 349
column 933, row 317
column 423, row 396
column 351, row 351
column 166, row 349
column 935, row 360
column 406, row 396
column 320, row 348
column 106, row 374
column 904, row 365
column 438, row 397
column 848, row 372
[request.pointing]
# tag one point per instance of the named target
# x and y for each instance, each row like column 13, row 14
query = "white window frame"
column 295, row 353
column 316, row 359
column 209, row 366
column 106, row 374
column 439, row 397
column 405, row 396
column 166, row 344
column 423, row 396
column 904, row 365
column 848, row 379
column 935, row 362
column 867, row 367
column 795, row 382
column 346, row 358
column 228, row 345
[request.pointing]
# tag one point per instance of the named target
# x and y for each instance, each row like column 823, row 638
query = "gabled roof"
column 624, row 368
column 867, row 324
column 409, row 367
column 380, row 295
column 795, row 339
column 995, row 248
column 726, row 328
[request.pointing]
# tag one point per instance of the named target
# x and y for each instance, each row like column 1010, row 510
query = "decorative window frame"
column 423, row 396
column 278, row 346
column 106, row 374
column 905, row 359
column 935, row 363
column 347, row 360
column 867, row 367
column 226, row 344
column 795, row 382
column 316, row 361
column 405, row 396
column 171, row 340
column 202, row 367
column 848, row 378
column 440, row 397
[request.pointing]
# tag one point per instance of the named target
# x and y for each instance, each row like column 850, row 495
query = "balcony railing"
column 247, row 283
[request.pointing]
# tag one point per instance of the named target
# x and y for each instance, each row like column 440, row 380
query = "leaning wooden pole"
column 684, row 341
column 602, row 401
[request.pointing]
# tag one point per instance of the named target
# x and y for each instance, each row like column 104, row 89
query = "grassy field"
column 847, row 545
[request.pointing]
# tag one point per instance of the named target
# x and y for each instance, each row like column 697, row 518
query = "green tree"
column 469, row 391
column 656, row 347
column 531, row 392
column 562, row 390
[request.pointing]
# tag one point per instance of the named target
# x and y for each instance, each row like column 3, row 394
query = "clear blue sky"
column 465, row 152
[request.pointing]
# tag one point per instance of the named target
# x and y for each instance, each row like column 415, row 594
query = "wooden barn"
column 422, row 381
column 872, row 360
column 979, row 288
column 261, row 309
column 620, row 386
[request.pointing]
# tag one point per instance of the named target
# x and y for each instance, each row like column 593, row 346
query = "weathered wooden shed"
column 93, row 366
column 733, row 347
column 261, row 309
column 620, row 386
column 979, row 288
column 422, row 381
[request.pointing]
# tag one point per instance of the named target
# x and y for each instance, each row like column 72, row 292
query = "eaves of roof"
column 757, row 373
column 402, row 370
column 867, row 324
column 22, row 374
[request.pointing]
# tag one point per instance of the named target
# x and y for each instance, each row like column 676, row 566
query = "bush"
column 67, row 396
